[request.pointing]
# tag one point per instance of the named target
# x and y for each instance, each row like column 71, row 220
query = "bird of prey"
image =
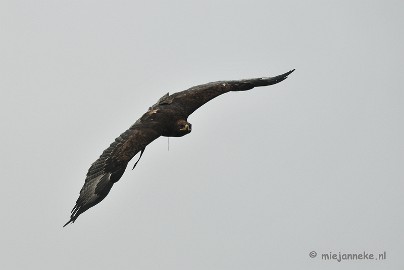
column 168, row 117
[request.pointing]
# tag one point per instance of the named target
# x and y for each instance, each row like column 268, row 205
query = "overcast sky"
column 266, row 176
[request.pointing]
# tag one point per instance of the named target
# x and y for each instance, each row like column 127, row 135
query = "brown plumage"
column 168, row 117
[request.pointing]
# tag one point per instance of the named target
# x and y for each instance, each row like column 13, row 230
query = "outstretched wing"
column 111, row 165
column 193, row 98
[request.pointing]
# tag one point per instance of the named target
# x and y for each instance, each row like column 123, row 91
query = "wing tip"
column 279, row 78
column 287, row 73
column 75, row 213
column 67, row 223
column 73, row 218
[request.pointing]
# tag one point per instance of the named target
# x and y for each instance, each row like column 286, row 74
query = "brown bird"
column 168, row 117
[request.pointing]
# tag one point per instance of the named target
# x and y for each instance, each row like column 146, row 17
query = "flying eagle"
column 168, row 118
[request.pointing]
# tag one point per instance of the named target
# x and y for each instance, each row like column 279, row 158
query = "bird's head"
column 183, row 128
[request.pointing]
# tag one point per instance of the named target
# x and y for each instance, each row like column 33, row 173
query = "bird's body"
column 169, row 118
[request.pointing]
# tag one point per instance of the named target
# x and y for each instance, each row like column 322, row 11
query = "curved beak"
column 187, row 127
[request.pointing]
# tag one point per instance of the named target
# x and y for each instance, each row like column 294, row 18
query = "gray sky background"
column 266, row 176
